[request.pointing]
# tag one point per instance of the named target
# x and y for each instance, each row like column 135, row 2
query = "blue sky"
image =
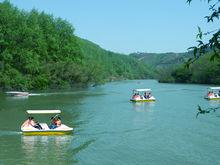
column 127, row 26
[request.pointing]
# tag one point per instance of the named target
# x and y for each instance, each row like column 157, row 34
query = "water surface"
column 108, row 129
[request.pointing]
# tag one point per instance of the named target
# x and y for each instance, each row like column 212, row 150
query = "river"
column 109, row 129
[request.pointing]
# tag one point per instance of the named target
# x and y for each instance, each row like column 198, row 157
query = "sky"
column 127, row 26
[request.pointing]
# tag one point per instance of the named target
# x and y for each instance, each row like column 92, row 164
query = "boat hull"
column 213, row 98
column 46, row 133
column 61, row 130
column 147, row 100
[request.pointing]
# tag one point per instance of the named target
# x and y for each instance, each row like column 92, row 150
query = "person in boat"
column 133, row 97
column 58, row 122
column 27, row 122
column 37, row 125
column 55, row 122
column 31, row 122
column 136, row 96
column 147, row 95
column 210, row 93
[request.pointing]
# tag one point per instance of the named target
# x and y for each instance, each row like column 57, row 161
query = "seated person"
column 136, row 96
column 37, row 125
column 210, row 94
column 27, row 122
column 56, row 122
column 147, row 95
column 30, row 122
column 53, row 123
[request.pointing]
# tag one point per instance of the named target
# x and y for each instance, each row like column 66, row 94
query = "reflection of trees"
column 82, row 146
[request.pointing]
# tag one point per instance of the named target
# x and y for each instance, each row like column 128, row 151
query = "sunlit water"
column 109, row 129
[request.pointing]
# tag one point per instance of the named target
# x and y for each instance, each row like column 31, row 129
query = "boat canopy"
column 214, row 88
column 142, row 90
column 15, row 92
column 43, row 111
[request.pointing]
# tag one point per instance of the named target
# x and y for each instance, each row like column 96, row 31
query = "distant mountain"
column 158, row 60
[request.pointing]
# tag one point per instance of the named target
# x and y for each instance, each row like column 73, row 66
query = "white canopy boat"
column 17, row 94
column 213, row 93
column 142, row 95
column 29, row 129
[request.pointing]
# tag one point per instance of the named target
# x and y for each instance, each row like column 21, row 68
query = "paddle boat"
column 31, row 127
column 17, row 94
column 213, row 93
column 142, row 95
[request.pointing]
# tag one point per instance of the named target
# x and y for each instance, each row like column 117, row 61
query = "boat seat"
column 44, row 126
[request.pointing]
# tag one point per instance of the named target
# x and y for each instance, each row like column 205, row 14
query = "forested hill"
column 38, row 51
column 114, row 65
column 170, row 67
column 158, row 60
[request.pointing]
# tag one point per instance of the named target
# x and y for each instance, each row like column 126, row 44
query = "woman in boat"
column 136, row 96
column 210, row 93
column 27, row 123
column 31, row 122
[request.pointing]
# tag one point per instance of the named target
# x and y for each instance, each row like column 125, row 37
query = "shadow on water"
column 82, row 147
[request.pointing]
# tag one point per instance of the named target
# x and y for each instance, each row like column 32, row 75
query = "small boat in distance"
column 31, row 127
column 142, row 95
column 213, row 93
column 17, row 94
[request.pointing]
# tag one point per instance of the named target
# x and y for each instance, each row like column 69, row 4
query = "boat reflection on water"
column 214, row 103
column 143, row 106
column 47, row 149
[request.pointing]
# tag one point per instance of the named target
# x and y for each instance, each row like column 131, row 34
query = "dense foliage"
column 38, row 51
column 114, row 65
column 213, row 43
column 206, row 59
column 202, row 71
column 170, row 67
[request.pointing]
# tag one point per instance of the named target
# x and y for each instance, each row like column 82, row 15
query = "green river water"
column 110, row 130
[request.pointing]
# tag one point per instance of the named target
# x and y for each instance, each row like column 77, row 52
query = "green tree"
column 213, row 44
